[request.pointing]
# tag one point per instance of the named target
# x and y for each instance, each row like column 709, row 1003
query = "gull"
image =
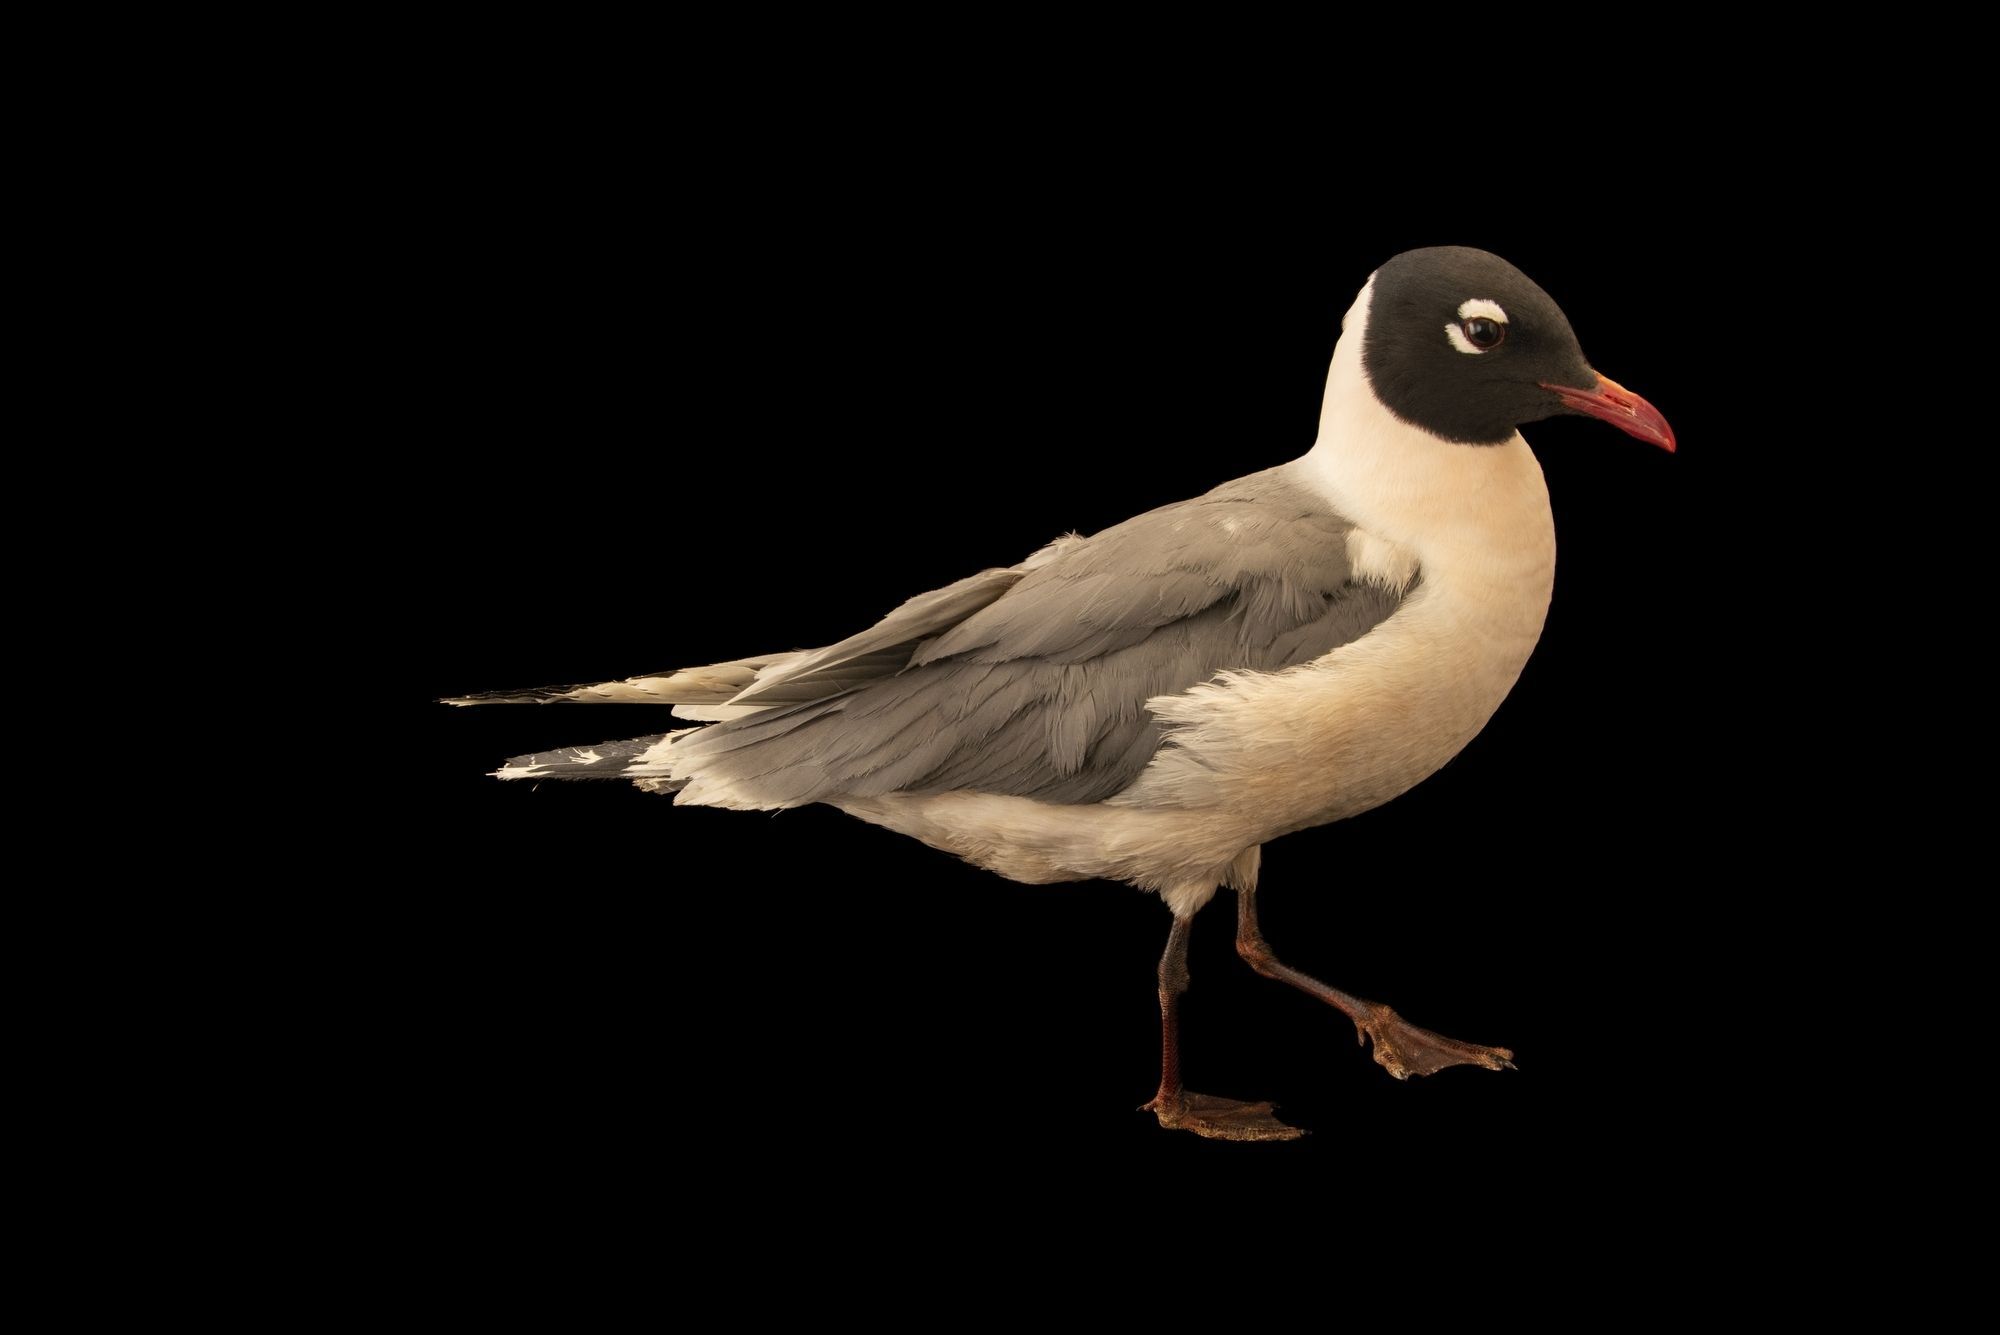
column 1155, row 702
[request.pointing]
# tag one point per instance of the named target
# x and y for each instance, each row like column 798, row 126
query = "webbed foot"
column 1220, row 1119
column 1404, row 1050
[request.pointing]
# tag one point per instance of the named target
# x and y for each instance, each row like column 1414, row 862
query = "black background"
column 685, row 398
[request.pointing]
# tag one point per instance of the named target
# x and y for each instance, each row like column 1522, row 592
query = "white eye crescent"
column 1481, row 327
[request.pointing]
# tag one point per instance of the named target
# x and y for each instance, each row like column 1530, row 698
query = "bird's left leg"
column 1176, row 1107
column 1401, row 1048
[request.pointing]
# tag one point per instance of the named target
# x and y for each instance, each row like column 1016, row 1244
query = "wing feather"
column 1034, row 680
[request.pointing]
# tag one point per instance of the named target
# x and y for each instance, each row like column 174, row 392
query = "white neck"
column 1475, row 509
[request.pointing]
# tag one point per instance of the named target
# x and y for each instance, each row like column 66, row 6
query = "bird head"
column 1464, row 345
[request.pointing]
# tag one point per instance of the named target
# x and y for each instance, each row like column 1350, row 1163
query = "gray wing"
column 1041, row 691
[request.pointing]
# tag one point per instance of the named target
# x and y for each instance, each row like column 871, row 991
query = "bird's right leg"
column 1176, row 1107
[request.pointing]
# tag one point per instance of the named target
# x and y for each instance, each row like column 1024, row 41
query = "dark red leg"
column 1402, row 1048
column 1203, row 1114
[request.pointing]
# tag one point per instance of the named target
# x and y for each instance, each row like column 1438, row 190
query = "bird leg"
column 1400, row 1047
column 1176, row 1107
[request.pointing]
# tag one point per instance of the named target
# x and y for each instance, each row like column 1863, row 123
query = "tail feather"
column 711, row 685
column 777, row 684
column 639, row 758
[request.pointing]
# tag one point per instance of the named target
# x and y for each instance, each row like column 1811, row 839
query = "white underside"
column 1253, row 756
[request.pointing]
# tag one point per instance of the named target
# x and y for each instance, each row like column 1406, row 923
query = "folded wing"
column 1033, row 681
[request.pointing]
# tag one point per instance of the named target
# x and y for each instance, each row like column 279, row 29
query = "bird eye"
column 1481, row 326
column 1483, row 334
